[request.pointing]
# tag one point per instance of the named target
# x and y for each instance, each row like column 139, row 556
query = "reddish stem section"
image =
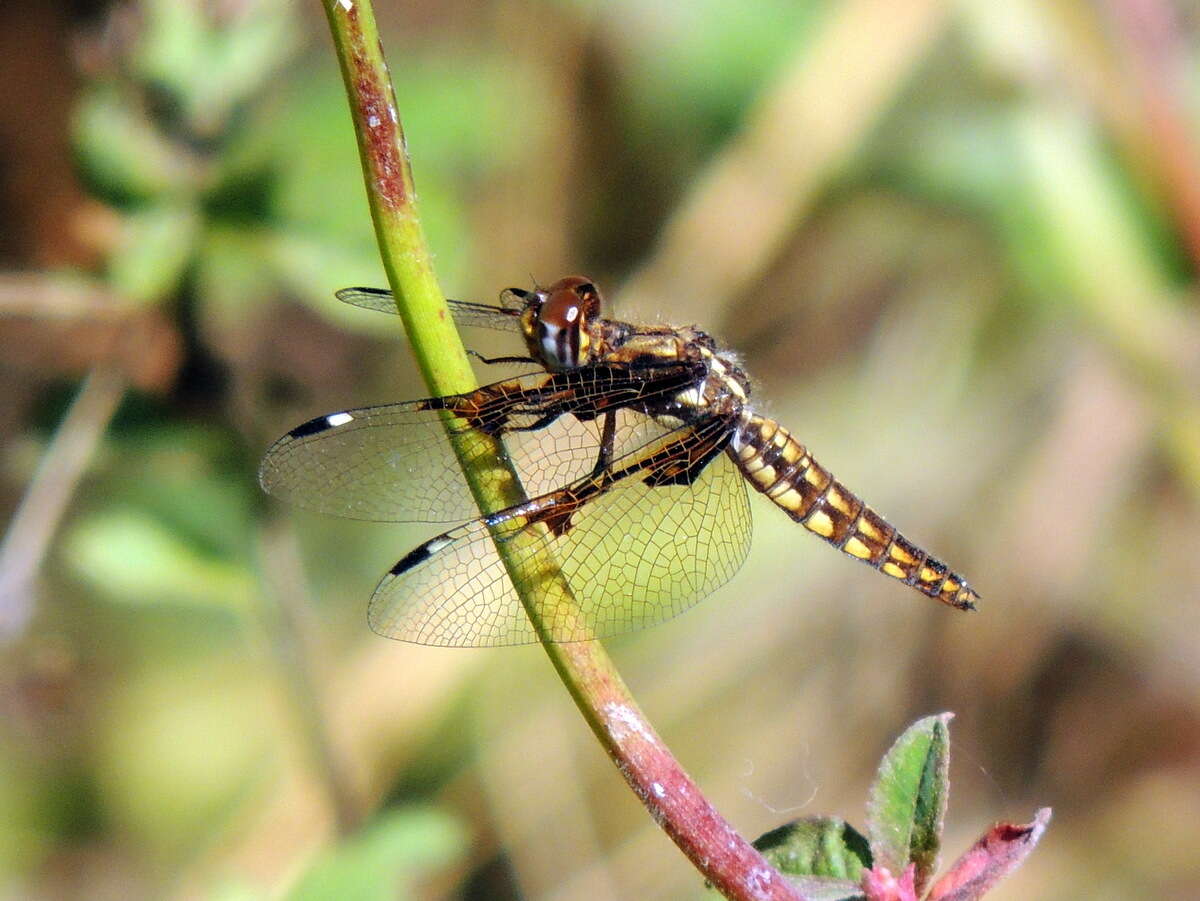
column 726, row 859
column 373, row 105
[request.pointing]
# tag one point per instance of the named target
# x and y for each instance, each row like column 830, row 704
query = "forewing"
column 465, row 312
column 634, row 555
column 394, row 463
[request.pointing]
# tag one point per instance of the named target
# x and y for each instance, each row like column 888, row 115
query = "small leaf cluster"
column 166, row 132
column 897, row 858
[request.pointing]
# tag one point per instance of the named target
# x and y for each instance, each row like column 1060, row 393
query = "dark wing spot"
column 312, row 427
column 417, row 555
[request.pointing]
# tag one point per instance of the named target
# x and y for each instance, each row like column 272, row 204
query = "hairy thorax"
column 717, row 387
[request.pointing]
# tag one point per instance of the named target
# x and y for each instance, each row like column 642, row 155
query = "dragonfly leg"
column 608, row 435
column 491, row 361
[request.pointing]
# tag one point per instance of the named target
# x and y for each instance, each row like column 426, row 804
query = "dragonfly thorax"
column 724, row 388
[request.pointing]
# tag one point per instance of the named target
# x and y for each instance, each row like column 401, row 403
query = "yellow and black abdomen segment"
column 781, row 468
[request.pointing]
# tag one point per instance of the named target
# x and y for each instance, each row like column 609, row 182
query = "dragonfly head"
column 556, row 322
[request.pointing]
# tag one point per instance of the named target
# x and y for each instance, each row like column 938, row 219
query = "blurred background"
column 957, row 244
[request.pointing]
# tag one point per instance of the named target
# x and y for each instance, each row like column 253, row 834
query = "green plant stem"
column 675, row 802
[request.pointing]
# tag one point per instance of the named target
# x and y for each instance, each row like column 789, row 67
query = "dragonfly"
column 635, row 446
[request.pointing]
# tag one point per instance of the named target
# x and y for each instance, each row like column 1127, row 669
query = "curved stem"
column 49, row 493
column 724, row 857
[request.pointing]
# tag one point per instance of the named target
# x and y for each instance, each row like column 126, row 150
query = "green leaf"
column 209, row 63
column 908, row 800
column 172, row 41
column 120, row 152
column 382, row 861
column 241, row 57
column 192, row 480
column 816, row 846
column 133, row 558
column 153, row 250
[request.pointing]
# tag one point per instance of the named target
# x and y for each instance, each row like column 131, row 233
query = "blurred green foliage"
column 380, row 862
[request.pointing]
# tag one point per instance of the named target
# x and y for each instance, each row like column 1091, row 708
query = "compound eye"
column 561, row 330
column 562, row 310
column 589, row 297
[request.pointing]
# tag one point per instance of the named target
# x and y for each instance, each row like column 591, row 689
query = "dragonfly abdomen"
column 781, row 467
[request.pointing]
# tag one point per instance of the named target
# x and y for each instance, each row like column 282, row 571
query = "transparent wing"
column 394, row 463
column 634, row 554
column 465, row 312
